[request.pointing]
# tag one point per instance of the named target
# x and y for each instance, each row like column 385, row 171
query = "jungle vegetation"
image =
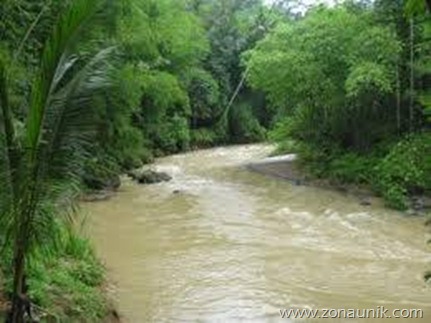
column 348, row 89
column 91, row 89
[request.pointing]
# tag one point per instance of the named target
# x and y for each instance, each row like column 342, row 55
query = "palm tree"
column 41, row 165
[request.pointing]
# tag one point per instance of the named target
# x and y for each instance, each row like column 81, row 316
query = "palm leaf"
column 53, row 64
column 53, row 117
column 53, row 105
column 54, row 136
column 69, row 120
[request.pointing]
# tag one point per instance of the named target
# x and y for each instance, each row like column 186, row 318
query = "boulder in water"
column 365, row 201
column 149, row 176
column 412, row 212
column 111, row 182
column 96, row 196
column 421, row 203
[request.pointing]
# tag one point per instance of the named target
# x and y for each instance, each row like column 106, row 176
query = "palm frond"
column 67, row 128
column 54, row 56
column 54, row 136
column 57, row 63
column 43, row 227
column 69, row 120
column 52, row 118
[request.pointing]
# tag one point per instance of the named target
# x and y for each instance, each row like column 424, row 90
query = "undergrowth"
column 394, row 170
column 65, row 283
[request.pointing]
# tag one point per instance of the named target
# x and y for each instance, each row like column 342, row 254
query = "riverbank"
column 287, row 167
column 69, row 284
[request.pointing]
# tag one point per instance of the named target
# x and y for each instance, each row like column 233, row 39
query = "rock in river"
column 98, row 183
column 149, row 176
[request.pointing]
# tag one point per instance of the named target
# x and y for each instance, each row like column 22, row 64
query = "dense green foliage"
column 178, row 69
column 346, row 85
column 331, row 74
column 405, row 169
column 178, row 65
column 67, row 115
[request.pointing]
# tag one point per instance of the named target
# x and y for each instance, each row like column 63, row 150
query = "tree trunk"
column 412, row 75
column 398, row 101
column 17, row 313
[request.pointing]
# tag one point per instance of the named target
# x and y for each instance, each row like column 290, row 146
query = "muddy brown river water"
column 237, row 246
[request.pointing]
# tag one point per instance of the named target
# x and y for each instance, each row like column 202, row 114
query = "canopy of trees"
column 348, row 87
column 89, row 89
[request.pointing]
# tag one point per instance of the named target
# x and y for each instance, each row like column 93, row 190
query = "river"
column 222, row 244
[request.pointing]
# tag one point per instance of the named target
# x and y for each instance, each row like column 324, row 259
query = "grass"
column 285, row 147
column 66, row 284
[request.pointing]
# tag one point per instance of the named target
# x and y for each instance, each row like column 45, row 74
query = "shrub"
column 281, row 130
column 203, row 137
column 405, row 169
column 204, row 93
column 352, row 168
column 280, row 135
column 171, row 136
column 337, row 165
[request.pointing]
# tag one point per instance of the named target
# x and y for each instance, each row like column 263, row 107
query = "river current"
column 220, row 243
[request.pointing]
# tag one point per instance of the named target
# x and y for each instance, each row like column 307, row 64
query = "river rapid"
column 222, row 244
